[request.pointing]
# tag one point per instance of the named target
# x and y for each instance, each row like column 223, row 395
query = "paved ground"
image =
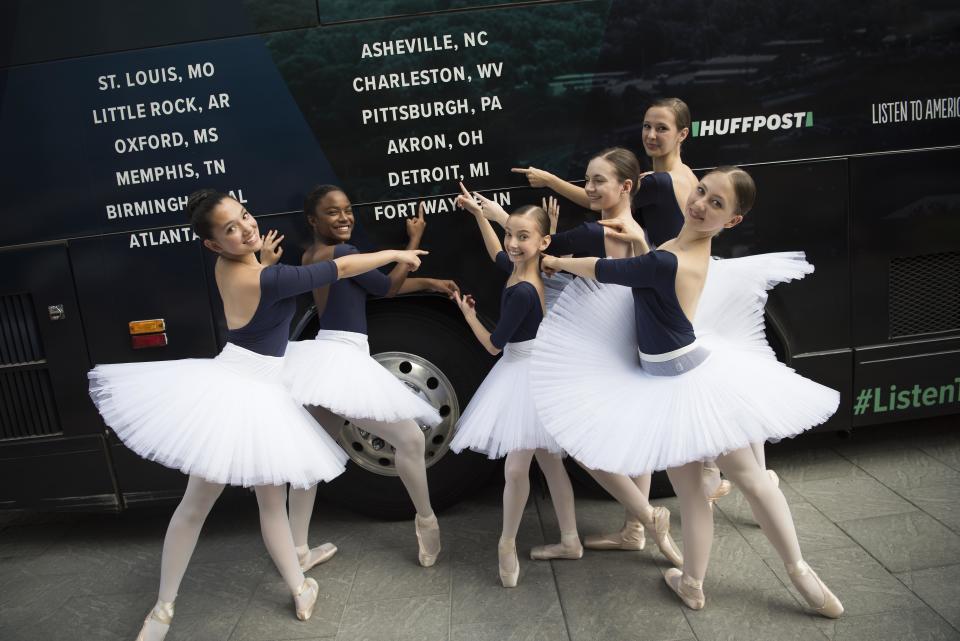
column 878, row 516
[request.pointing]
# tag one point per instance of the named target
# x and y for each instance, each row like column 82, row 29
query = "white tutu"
column 226, row 419
column 501, row 416
column 553, row 286
column 336, row 371
column 607, row 412
column 735, row 293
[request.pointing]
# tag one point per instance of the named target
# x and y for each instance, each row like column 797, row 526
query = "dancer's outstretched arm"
column 469, row 202
column 540, row 178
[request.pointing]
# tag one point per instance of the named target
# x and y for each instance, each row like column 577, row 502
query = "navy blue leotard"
column 661, row 324
column 520, row 310
column 656, row 208
column 268, row 331
column 584, row 240
column 346, row 308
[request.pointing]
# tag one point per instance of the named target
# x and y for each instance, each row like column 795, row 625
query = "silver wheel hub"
column 427, row 381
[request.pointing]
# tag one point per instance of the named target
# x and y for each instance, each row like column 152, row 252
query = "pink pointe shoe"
column 687, row 588
column 312, row 557
column 428, row 540
column 821, row 600
column 305, row 600
column 509, row 564
column 630, row 537
column 157, row 623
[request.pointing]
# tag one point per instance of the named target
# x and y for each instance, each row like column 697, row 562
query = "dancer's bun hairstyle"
column 200, row 206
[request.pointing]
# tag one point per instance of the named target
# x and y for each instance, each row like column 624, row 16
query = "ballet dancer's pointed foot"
column 306, row 598
column 311, row 557
column 157, row 623
column 661, row 531
column 817, row 595
column 687, row 588
column 774, row 477
column 568, row 548
column 509, row 564
column 630, row 537
column 428, row 539
column 722, row 490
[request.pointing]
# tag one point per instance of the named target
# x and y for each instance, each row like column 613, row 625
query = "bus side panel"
column 907, row 328
column 73, row 29
column 117, row 283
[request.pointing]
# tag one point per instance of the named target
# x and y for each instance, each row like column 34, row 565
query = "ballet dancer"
column 688, row 398
column 335, row 374
column 500, row 419
column 225, row 420
column 611, row 183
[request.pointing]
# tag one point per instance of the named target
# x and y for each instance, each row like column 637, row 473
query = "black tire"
column 421, row 326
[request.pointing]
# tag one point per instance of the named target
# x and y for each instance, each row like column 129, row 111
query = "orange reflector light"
column 148, row 340
column 147, row 326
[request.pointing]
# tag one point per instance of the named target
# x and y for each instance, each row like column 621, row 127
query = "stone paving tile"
column 478, row 597
column 533, row 630
column 911, row 541
column 939, row 588
column 104, row 618
column 270, row 613
column 815, row 464
column 739, row 614
column 914, row 624
column 902, row 468
column 424, row 618
column 848, row 499
column 942, row 502
column 383, row 574
column 605, row 596
column 945, row 449
column 861, row 583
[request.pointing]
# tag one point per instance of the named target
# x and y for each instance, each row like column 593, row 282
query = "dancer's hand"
column 536, row 177
column 548, row 264
column 446, row 287
column 468, row 202
column 625, row 229
column 491, row 209
column 552, row 207
column 271, row 251
column 416, row 226
column 410, row 257
column 467, row 305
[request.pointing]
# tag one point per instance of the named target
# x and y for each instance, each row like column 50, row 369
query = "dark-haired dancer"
column 227, row 420
column 690, row 398
column 335, row 374
column 501, row 418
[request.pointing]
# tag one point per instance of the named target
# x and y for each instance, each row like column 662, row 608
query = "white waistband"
column 666, row 356
column 244, row 361
column 356, row 339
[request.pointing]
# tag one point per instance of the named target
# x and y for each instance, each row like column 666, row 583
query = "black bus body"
column 111, row 113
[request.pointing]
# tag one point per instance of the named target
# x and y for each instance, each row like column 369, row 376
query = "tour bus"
column 112, row 112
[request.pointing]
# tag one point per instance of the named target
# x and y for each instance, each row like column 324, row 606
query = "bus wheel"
column 437, row 357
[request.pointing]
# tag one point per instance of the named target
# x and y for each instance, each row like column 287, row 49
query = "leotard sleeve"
column 284, row 281
column 503, row 262
column 585, row 239
column 518, row 301
column 639, row 271
column 375, row 282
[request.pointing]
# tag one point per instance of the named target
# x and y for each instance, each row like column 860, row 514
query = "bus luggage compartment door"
column 52, row 451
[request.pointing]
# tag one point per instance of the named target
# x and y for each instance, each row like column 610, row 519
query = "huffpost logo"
column 752, row 124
